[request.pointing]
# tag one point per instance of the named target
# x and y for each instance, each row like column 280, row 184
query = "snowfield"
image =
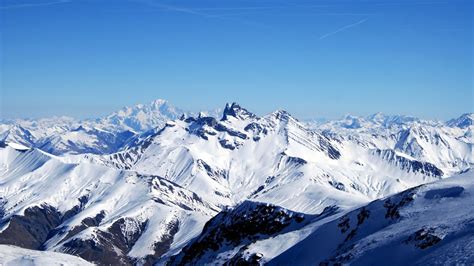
column 155, row 184
column 15, row 256
column 67, row 204
column 428, row 225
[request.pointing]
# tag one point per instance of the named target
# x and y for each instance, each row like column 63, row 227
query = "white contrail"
column 236, row 8
column 196, row 12
column 343, row 28
column 34, row 4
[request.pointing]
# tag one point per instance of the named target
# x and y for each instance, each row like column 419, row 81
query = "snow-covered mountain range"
column 155, row 184
column 105, row 135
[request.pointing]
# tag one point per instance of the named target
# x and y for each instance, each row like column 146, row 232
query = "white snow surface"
column 148, row 164
column 34, row 178
column 65, row 135
column 444, row 210
column 16, row 256
column 277, row 159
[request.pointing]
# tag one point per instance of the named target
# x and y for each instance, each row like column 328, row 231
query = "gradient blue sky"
column 86, row 58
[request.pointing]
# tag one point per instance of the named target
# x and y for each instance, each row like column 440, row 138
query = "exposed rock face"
column 423, row 238
column 395, row 203
column 123, row 212
column 163, row 245
column 32, row 229
column 409, row 165
column 236, row 111
column 86, row 223
column 247, row 223
column 98, row 238
column 109, row 247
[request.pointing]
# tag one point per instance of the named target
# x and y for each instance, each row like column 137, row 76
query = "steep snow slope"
column 77, row 208
column 274, row 159
column 68, row 138
column 226, row 161
column 33, row 132
column 142, row 197
column 84, row 140
column 17, row 134
column 63, row 135
column 426, row 225
column 438, row 146
column 226, row 237
column 464, row 121
column 430, row 224
column 16, row 256
column 447, row 146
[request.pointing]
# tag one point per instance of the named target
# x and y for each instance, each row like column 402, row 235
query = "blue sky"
column 86, row 58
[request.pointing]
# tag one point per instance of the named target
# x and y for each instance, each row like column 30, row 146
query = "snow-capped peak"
column 159, row 102
column 142, row 197
column 464, row 121
column 235, row 110
column 389, row 120
column 281, row 115
column 142, row 117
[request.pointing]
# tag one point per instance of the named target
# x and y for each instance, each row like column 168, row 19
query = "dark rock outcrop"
column 32, row 229
column 247, row 223
column 108, row 247
column 236, row 111
column 409, row 165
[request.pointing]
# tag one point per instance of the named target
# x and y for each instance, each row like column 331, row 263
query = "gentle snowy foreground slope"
column 15, row 256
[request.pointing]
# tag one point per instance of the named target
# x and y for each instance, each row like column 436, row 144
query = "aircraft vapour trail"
column 33, row 5
column 343, row 29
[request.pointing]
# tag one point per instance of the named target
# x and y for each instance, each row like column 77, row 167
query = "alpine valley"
column 154, row 184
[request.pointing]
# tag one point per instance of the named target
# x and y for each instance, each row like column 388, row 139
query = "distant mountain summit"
column 377, row 120
column 390, row 120
column 464, row 121
column 142, row 117
column 64, row 135
column 120, row 129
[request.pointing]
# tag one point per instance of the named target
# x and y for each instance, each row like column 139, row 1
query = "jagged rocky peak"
column 464, row 121
column 235, row 110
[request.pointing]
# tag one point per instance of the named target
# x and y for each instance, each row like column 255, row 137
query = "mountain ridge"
column 142, row 201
